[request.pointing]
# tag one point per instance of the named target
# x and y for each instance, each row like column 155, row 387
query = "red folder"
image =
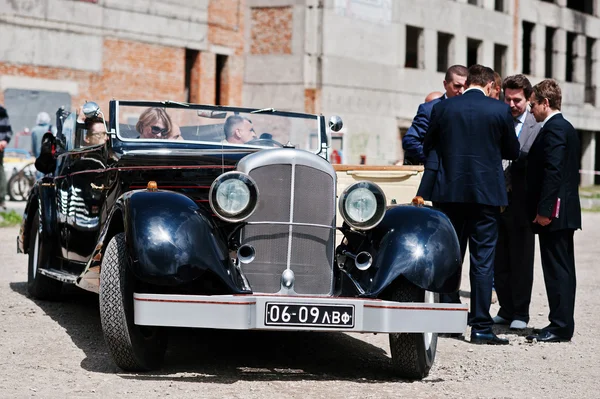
column 556, row 210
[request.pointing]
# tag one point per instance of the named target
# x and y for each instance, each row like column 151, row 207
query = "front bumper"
column 247, row 312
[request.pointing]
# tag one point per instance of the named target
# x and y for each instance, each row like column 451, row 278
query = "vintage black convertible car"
column 221, row 217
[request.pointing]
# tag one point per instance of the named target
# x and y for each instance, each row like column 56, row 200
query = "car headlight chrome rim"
column 362, row 205
column 233, row 196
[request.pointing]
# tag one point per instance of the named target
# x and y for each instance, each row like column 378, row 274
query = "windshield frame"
column 115, row 106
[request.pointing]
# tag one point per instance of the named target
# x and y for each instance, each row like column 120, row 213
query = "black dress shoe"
column 481, row 338
column 546, row 336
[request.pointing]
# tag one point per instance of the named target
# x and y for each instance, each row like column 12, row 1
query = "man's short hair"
column 459, row 70
column 89, row 122
column 479, row 75
column 231, row 123
column 516, row 82
column 497, row 80
column 549, row 89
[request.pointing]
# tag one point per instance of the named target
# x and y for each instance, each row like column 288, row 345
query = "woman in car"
column 155, row 123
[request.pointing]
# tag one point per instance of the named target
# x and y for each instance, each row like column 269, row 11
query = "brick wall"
column 271, row 30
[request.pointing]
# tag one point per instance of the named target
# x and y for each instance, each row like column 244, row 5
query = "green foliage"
column 9, row 218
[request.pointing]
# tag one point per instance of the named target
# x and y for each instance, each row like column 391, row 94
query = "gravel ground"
column 56, row 350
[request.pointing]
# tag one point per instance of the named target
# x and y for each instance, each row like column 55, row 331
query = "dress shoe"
column 546, row 336
column 518, row 325
column 500, row 320
column 481, row 338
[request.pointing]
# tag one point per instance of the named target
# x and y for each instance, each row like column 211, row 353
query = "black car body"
column 193, row 231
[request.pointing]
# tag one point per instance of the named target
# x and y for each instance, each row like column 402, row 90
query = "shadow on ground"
column 225, row 356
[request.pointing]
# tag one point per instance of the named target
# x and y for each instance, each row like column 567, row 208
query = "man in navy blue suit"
column 412, row 142
column 471, row 134
column 553, row 207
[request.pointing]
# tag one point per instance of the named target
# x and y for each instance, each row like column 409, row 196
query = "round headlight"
column 362, row 205
column 233, row 196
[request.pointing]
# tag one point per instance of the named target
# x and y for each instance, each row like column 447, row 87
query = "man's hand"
column 3, row 145
column 542, row 220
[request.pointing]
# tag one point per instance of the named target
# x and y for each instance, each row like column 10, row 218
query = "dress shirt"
column 519, row 121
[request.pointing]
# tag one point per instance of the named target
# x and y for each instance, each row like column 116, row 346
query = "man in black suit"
column 513, row 265
column 553, row 182
column 471, row 134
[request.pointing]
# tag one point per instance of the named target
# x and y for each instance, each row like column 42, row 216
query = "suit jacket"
column 471, row 133
column 412, row 142
column 516, row 173
column 553, row 176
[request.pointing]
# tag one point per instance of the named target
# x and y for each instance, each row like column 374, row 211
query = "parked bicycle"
column 21, row 182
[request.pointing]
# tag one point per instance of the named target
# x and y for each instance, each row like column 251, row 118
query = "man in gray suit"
column 513, row 266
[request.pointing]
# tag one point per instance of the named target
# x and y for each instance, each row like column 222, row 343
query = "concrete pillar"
column 588, row 157
column 460, row 49
column 430, row 41
column 538, row 63
column 487, row 4
column 579, row 61
column 559, row 62
column 486, row 54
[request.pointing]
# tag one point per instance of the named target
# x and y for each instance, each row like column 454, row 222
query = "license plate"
column 306, row 315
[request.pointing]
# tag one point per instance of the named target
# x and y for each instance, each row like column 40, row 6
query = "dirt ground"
column 56, row 350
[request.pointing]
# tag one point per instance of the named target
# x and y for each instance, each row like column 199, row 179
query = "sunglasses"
column 156, row 130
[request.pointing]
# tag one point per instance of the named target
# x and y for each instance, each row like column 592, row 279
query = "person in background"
column 433, row 95
column 554, row 208
column 5, row 136
column 471, row 134
column 412, row 142
column 513, row 263
column 42, row 126
column 497, row 87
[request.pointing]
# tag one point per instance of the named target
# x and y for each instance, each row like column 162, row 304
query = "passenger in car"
column 155, row 123
column 238, row 130
column 95, row 131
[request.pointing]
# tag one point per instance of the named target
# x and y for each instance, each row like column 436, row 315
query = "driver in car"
column 238, row 130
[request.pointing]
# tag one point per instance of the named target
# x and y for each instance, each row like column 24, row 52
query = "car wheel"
column 133, row 347
column 38, row 285
column 413, row 353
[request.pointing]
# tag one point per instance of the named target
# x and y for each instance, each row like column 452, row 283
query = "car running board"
column 59, row 275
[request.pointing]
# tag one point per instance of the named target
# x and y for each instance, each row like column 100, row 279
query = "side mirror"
column 335, row 123
column 90, row 109
column 46, row 162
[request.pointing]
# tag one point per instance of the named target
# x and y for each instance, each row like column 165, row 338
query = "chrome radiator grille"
column 290, row 197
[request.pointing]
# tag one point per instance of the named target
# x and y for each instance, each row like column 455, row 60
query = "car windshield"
column 217, row 125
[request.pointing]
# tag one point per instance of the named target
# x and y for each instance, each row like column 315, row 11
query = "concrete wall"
column 353, row 58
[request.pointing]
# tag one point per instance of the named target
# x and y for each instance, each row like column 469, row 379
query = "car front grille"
column 294, row 228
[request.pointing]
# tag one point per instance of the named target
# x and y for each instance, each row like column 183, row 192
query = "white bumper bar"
column 248, row 312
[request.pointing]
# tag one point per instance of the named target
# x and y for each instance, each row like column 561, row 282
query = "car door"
column 64, row 143
column 87, row 193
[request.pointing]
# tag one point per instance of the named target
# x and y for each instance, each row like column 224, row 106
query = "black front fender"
column 419, row 244
column 171, row 241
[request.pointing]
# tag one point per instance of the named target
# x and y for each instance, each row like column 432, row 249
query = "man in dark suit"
column 553, row 182
column 513, row 265
column 412, row 142
column 471, row 135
